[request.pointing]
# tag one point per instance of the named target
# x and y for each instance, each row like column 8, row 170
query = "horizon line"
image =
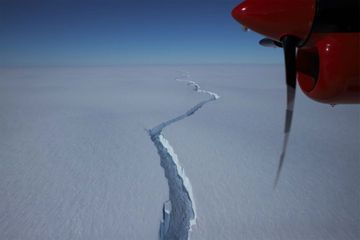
column 125, row 64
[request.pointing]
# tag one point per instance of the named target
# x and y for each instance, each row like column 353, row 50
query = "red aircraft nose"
column 277, row 18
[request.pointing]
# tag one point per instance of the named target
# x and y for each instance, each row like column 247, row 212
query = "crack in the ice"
column 179, row 213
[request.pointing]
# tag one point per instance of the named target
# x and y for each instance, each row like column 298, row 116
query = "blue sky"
column 109, row 32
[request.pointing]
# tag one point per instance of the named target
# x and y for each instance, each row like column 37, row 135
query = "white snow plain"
column 77, row 161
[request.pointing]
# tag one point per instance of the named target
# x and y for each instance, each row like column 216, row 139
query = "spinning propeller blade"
column 267, row 42
column 289, row 44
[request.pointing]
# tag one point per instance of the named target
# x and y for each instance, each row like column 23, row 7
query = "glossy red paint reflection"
column 276, row 18
column 338, row 70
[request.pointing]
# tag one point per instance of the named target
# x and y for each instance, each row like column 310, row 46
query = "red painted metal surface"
column 328, row 64
column 338, row 79
column 276, row 18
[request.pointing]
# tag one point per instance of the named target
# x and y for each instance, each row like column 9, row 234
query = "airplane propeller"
column 289, row 44
column 267, row 42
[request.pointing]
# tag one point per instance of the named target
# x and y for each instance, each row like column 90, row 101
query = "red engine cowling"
column 328, row 32
column 276, row 18
column 328, row 67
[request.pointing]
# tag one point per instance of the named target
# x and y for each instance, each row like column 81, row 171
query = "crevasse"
column 179, row 212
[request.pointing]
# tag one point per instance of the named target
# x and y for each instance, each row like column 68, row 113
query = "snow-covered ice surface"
column 177, row 222
column 77, row 163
